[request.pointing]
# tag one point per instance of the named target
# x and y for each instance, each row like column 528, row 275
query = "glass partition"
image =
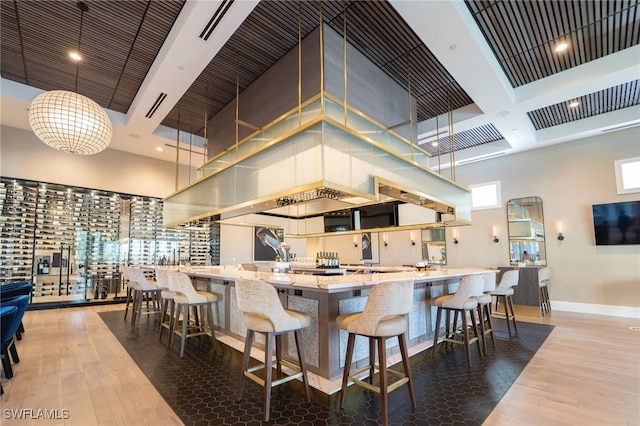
column 526, row 231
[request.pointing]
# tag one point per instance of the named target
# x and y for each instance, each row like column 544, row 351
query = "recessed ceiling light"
column 434, row 143
column 502, row 113
column 562, row 46
column 573, row 104
column 134, row 135
column 159, row 149
column 453, row 47
column 75, row 56
column 181, row 68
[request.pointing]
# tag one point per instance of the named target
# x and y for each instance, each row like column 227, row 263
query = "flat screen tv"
column 378, row 216
column 617, row 223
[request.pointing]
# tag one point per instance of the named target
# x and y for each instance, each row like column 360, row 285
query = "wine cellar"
column 71, row 242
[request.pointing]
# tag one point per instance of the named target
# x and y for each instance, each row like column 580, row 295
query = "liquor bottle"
column 317, row 259
column 45, row 266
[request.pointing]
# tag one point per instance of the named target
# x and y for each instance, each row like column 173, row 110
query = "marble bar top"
column 328, row 284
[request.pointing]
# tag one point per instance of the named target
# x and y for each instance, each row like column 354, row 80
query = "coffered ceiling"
column 491, row 63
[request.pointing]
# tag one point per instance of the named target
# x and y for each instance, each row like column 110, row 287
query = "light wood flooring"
column 586, row 373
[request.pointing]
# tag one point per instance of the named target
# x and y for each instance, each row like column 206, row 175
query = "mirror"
column 434, row 247
column 526, row 231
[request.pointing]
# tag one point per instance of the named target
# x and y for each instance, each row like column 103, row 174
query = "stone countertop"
column 328, row 284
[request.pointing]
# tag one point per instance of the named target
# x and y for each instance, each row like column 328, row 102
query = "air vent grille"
column 155, row 105
column 215, row 19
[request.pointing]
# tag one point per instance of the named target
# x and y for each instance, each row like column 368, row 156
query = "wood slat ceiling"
column 37, row 36
column 523, row 34
column 612, row 99
column 121, row 39
column 373, row 27
column 462, row 140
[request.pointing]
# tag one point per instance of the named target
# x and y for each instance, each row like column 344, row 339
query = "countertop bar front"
column 326, row 297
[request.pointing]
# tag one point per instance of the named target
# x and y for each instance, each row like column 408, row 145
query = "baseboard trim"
column 590, row 308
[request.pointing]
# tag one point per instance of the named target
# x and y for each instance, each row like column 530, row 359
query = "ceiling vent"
column 215, row 19
column 155, row 105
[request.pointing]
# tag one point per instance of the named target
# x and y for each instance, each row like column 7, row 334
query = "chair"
column 8, row 347
column 484, row 310
column 383, row 317
column 463, row 301
column 7, row 315
column 167, row 310
column 13, row 289
column 263, row 313
column 544, row 277
column 503, row 293
column 140, row 289
column 186, row 297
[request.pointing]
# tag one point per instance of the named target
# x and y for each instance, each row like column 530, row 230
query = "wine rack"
column 17, row 225
column 71, row 241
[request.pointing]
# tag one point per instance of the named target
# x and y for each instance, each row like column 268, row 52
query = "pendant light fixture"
column 68, row 121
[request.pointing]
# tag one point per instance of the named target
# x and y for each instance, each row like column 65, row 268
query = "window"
column 628, row 175
column 485, row 196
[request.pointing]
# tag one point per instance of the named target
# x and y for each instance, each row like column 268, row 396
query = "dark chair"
column 14, row 289
column 7, row 317
column 7, row 345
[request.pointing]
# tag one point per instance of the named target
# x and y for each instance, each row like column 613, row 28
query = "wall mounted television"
column 617, row 223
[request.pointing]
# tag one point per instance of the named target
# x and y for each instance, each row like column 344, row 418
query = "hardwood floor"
column 587, row 373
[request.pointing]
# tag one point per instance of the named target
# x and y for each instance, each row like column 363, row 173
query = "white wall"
column 23, row 155
column 569, row 178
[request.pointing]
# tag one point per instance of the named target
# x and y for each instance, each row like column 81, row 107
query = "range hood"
column 322, row 155
column 297, row 175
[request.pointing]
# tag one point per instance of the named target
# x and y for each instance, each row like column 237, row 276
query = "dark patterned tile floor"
column 203, row 387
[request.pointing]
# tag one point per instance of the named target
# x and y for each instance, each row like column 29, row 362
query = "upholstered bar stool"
column 143, row 291
column 484, row 310
column 167, row 310
column 464, row 301
column 263, row 313
column 185, row 297
column 126, row 276
column 503, row 294
column 383, row 317
column 544, row 277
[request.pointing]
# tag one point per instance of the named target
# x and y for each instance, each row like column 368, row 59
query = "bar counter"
column 324, row 298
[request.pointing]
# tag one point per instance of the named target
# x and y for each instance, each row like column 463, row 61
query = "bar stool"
column 484, row 310
column 142, row 290
column 384, row 316
column 503, row 293
column 186, row 297
column 544, row 277
column 167, row 311
column 126, row 276
column 263, row 313
column 463, row 301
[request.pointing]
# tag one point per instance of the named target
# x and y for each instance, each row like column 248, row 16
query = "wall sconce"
column 413, row 241
column 495, row 235
column 455, row 237
column 355, row 242
column 384, row 240
column 560, row 234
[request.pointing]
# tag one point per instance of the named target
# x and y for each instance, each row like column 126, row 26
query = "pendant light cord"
column 83, row 8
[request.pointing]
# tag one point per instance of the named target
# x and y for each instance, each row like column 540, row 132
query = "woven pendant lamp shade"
column 70, row 122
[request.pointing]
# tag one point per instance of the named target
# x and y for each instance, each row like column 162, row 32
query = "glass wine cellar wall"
column 72, row 242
